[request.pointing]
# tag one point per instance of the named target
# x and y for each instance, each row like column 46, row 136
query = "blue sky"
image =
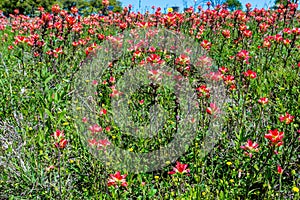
column 146, row 4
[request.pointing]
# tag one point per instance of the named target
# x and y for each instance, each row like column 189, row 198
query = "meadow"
column 61, row 79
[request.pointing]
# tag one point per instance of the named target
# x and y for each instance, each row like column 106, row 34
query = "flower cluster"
column 60, row 141
column 275, row 137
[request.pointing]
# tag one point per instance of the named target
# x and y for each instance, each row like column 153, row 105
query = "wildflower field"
column 69, row 104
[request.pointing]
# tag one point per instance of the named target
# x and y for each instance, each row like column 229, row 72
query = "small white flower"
column 22, row 91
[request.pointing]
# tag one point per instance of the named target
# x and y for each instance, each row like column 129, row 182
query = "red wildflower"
column 141, row 101
column 203, row 91
column 287, row 30
column 182, row 60
column 279, row 169
column 20, row 39
column 101, row 36
column 275, row 137
column 117, row 180
column 103, row 111
column 137, row 54
column 206, row 44
column 250, row 146
column 62, row 143
column 179, row 168
column 215, row 76
column 95, row 128
column 248, row 6
column 74, row 10
column 112, row 79
column 286, row 41
column 92, row 142
column 263, row 100
column 229, row 79
column 249, row 73
column 243, row 55
column 212, row 109
column 278, row 38
column 84, row 120
column 296, row 31
column 94, row 82
column 154, row 58
column 226, row 33
column 16, row 11
column 287, row 118
column 41, row 9
column 242, row 27
column 223, row 70
column 232, row 87
column 267, row 44
column 152, row 49
column 247, row 33
column 103, row 143
column 58, row 134
column 55, row 8
column 115, row 92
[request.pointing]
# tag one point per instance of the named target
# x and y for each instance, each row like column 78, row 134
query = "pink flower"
column 95, row 128
column 263, row 100
column 94, row 82
column 50, row 168
column 100, row 144
column 117, row 180
column 212, row 109
column 223, row 70
column 115, row 92
column 180, row 168
column 287, row 118
column 243, row 55
column 141, row 101
column 250, row 146
column 214, row 76
column 92, row 142
column 206, row 44
column 155, row 58
column 103, row 143
column 183, row 60
column 103, row 111
column 105, row 2
column 84, row 120
column 112, row 79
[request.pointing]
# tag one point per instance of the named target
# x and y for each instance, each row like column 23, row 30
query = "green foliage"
column 234, row 5
column 28, row 7
column 37, row 85
column 25, row 6
column 284, row 2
